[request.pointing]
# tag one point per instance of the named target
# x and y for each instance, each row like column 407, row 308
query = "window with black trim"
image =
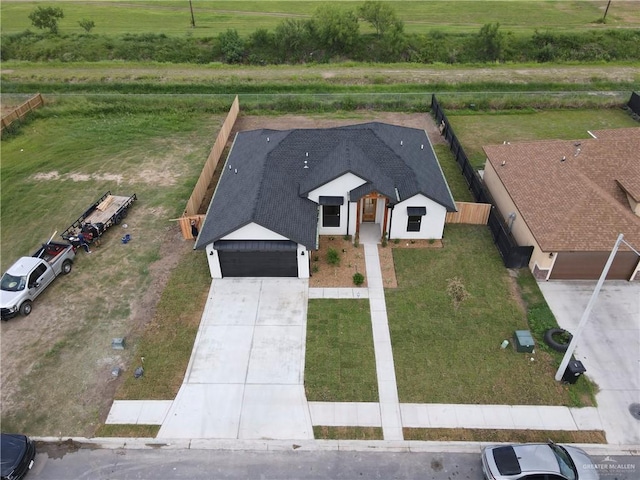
column 331, row 215
column 413, row 223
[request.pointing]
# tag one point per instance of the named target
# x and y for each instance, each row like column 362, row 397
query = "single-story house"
column 571, row 199
column 280, row 190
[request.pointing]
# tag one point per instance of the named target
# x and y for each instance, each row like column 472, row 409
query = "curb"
column 120, row 443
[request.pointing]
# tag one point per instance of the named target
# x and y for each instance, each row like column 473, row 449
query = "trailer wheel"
column 124, row 212
column 66, row 267
column 25, row 308
column 118, row 219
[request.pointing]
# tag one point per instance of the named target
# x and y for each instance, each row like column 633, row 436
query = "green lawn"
column 339, row 360
column 476, row 130
column 173, row 17
column 448, row 355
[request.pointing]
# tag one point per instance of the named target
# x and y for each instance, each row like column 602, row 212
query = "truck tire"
column 66, row 267
column 25, row 308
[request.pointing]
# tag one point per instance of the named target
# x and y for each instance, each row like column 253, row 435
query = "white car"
column 537, row 461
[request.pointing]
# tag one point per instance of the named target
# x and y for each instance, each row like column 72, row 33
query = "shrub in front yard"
column 333, row 257
column 358, row 279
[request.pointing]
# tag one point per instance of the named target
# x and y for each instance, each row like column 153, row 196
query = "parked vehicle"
column 17, row 453
column 537, row 461
column 105, row 212
column 29, row 276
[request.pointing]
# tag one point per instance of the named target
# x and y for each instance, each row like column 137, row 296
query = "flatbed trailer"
column 105, row 212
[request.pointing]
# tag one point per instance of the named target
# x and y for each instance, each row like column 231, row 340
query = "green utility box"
column 524, row 341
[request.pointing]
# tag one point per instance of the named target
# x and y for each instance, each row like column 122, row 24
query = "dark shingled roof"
column 272, row 183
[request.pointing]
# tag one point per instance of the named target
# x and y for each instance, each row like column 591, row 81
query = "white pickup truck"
column 29, row 276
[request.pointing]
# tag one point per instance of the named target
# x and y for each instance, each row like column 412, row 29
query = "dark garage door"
column 589, row 265
column 258, row 258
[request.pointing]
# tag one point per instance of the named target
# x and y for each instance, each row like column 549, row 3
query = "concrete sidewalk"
column 433, row 415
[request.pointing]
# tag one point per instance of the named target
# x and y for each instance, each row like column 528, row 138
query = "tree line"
column 331, row 34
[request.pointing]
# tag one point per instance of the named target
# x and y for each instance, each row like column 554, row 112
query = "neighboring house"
column 570, row 200
column 280, row 190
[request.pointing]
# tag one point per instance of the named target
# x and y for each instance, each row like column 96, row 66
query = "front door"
column 369, row 210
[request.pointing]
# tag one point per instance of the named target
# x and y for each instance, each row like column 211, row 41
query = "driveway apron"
column 609, row 347
column 245, row 378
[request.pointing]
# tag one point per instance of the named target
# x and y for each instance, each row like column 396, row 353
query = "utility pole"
column 587, row 311
column 604, row 18
column 193, row 19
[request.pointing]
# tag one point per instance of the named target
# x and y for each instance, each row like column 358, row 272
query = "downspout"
column 390, row 207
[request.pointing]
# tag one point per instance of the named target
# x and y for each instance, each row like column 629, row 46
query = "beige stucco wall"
column 520, row 230
column 635, row 206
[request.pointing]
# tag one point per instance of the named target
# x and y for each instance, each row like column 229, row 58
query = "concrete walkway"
column 387, row 389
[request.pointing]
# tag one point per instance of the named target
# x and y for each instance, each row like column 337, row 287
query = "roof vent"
column 306, row 154
column 563, row 158
column 401, row 142
column 235, row 171
column 267, row 139
column 305, row 164
column 422, row 147
column 504, row 162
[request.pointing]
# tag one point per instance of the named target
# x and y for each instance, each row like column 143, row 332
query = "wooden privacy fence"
column 19, row 112
column 200, row 190
column 471, row 213
column 185, row 225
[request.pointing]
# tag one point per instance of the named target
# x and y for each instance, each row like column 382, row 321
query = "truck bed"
column 50, row 251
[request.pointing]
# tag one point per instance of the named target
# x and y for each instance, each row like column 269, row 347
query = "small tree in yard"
column 46, row 18
column 87, row 25
column 457, row 291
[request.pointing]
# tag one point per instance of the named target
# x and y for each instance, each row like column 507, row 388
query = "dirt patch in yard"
column 422, row 121
column 59, row 355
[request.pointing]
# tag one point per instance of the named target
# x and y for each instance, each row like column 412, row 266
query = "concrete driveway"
column 609, row 347
column 245, row 378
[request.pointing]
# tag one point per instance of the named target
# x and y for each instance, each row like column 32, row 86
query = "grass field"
column 478, row 130
column 51, row 171
column 173, row 17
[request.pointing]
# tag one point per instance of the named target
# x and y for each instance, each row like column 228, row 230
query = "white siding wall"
column 253, row 231
column 303, row 262
column 214, row 261
column 353, row 217
column 432, row 224
column 339, row 187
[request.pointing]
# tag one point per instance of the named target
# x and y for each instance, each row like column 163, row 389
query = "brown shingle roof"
column 575, row 204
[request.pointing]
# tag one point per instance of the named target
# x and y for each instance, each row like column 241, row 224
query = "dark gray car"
column 537, row 461
column 16, row 456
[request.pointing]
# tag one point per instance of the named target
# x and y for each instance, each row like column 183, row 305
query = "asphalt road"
column 154, row 464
